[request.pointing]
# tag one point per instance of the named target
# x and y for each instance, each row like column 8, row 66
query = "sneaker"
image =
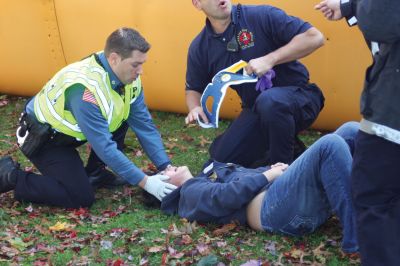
column 8, row 177
column 103, row 178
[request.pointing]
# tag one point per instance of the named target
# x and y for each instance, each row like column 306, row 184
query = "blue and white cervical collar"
column 217, row 89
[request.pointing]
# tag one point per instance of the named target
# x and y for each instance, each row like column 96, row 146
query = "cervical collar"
column 217, row 89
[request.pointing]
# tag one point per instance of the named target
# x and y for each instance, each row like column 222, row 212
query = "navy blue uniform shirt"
column 258, row 30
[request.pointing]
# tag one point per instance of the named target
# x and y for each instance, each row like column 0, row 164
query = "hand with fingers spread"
column 330, row 9
column 158, row 187
column 194, row 114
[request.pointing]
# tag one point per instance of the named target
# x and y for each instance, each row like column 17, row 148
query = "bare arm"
column 193, row 104
column 300, row 46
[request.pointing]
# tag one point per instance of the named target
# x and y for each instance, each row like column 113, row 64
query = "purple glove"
column 265, row 82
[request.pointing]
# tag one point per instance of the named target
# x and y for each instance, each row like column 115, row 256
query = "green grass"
column 119, row 230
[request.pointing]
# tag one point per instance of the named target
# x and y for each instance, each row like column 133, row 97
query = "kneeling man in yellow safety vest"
column 94, row 100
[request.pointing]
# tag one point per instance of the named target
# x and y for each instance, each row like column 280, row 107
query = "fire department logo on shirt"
column 245, row 39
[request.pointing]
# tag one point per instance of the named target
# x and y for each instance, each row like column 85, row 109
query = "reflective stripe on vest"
column 49, row 102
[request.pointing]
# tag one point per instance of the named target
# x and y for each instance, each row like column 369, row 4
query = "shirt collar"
column 115, row 82
column 210, row 30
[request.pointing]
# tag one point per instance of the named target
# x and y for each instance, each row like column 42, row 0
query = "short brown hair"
column 125, row 40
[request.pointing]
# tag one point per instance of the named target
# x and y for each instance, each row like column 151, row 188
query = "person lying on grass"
column 293, row 200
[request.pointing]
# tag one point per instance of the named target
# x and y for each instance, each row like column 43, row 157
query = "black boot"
column 8, row 175
column 103, row 178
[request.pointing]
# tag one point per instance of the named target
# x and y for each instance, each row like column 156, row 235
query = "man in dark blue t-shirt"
column 267, row 38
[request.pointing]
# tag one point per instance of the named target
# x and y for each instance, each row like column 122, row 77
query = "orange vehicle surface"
column 40, row 37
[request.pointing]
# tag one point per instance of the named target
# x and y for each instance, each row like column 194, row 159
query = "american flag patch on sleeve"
column 89, row 97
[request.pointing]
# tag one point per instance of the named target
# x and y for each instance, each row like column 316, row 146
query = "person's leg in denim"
column 316, row 184
column 348, row 131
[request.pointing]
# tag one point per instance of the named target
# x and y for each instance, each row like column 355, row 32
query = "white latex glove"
column 156, row 186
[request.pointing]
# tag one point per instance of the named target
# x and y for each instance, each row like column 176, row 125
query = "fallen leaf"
column 203, row 249
column 270, row 246
column 210, row 260
column 19, row 244
column 59, row 226
column 203, row 141
column 224, row 229
column 144, row 261
column 29, row 208
column 105, row 244
column 252, row 263
column 156, row 249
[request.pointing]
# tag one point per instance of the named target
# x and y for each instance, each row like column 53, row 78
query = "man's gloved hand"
column 156, row 186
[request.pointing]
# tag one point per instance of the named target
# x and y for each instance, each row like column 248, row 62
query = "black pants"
column 376, row 194
column 63, row 181
column 269, row 127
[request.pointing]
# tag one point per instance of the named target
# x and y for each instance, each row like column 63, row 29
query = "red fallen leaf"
column 118, row 262
column 76, row 249
column 33, row 215
column 109, row 214
column 164, row 259
column 81, row 213
column 72, row 234
column 224, row 230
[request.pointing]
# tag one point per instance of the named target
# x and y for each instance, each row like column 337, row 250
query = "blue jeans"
column 313, row 186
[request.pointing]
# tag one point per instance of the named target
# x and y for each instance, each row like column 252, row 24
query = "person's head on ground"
column 177, row 175
column 126, row 52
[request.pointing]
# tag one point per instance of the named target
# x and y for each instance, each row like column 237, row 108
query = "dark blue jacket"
column 379, row 21
column 219, row 195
